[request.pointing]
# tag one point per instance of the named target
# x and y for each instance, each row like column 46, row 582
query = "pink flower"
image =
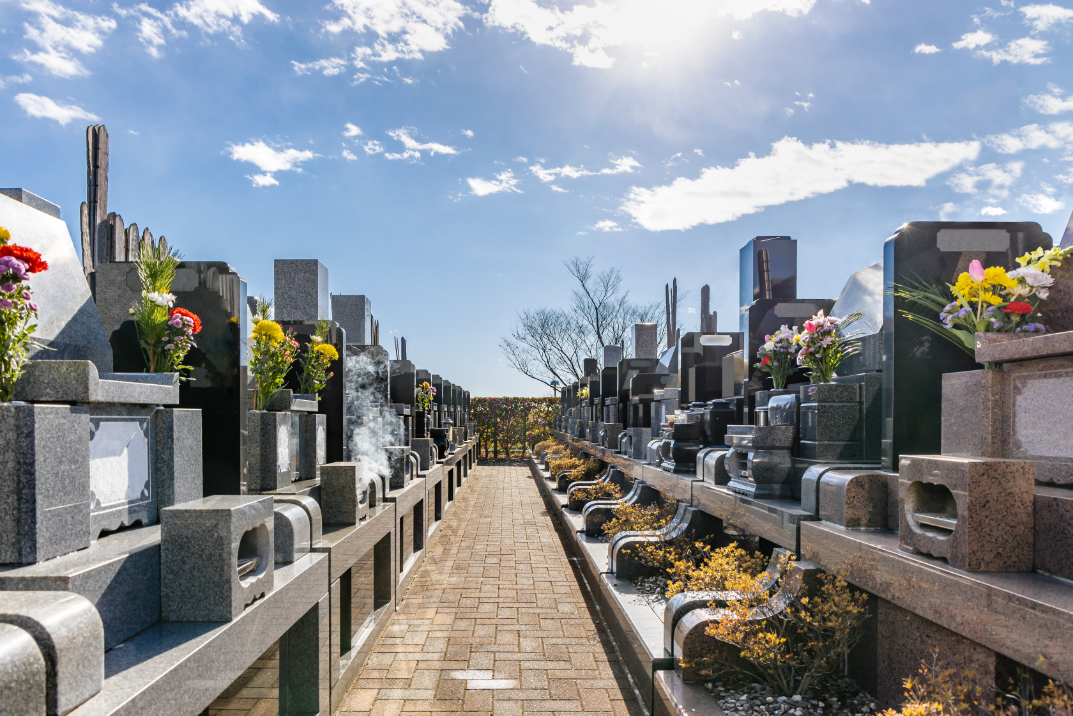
column 976, row 271
column 810, row 326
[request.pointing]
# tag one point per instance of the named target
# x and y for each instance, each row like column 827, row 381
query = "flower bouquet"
column 778, row 355
column 17, row 309
column 986, row 300
column 423, row 397
column 825, row 343
column 316, row 360
column 273, row 353
column 165, row 334
column 583, row 393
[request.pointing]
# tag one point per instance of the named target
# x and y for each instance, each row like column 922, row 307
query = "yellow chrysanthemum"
column 4, row 234
column 328, row 350
column 270, row 329
column 994, row 276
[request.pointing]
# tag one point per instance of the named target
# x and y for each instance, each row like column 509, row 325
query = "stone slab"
column 69, row 634
column 269, row 449
column 33, row 201
column 344, row 490
column 1054, row 530
column 78, row 381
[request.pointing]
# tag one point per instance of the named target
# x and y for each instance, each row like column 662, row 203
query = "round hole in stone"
column 931, row 509
column 253, row 554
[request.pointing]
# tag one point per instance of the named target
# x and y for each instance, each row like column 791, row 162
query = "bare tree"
column 549, row 344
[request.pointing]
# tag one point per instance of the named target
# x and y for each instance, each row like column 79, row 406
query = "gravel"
column 839, row 697
column 650, row 585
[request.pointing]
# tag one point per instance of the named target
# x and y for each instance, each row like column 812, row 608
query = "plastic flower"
column 32, row 259
column 328, row 350
column 269, row 329
column 195, row 321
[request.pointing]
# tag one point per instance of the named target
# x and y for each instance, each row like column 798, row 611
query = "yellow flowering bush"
column 717, row 568
column 599, row 491
column 635, row 518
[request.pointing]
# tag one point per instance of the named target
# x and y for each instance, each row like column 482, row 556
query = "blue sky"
column 444, row 156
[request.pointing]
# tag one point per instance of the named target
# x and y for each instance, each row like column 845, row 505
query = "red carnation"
column 1018, row 307
column 767, row 359
column 187, row 314
column 32, row 259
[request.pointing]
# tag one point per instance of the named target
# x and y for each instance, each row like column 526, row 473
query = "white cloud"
column 1033, row 136
column 404, row 29
column 735, row 35
column 948, row 210
column 1026, row 51
column 351, row 130
column 152, row 26
column 559, row 189
column 619, row 165
column 210, row 16
column 373, row 147
column 923, row 49
column 588, row 31
column 1066, row 178
column 269, row 160
column 328, row 67
column 59, row 33
column 1041, row 203
column 38, row 106
column 993, row 211
column 789, row 112
column 791, row 172
column 1043, row 17
column 698, row 152
column 213, row 16
column 348, row 155
column 1000, row 177
column 523, row 160
column 972, row 40
column 504, row 182
column 413, row 148
column 467, row 132
column 15, row 79
column 804, row 105
column 1052, row 103
column 607, row 225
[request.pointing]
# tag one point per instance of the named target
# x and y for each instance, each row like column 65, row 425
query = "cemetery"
column 206, row 494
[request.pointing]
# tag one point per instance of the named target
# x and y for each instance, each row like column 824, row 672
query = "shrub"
column 599, row 491
column 937, row 691
column 788, row 647
column 561, row 464
column 716, row 569
column 546, row 445
column 634, row 518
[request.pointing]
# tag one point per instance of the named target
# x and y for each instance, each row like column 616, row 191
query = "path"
column 495, row 621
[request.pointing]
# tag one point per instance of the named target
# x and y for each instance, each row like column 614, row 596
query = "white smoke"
column 371, row 423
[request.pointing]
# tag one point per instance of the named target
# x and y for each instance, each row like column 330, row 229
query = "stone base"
column 977, row 513
column 269, row 449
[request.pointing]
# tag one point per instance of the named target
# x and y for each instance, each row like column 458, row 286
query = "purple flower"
column 15, row 266
column 33, row 306
column 26, row 296
column 8, row 288
column 170, row 346
column 5, row 303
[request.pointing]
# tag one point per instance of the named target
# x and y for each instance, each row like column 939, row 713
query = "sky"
column 443, row 157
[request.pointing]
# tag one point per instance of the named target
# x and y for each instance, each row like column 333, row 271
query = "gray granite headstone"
column 68, row 322
column 33, row 200
column 612, row 356
column 644, row 340
column 69, row 633
column 301, row 290
column 355, row 315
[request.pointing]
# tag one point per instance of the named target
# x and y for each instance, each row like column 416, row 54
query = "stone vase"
column 830, row 427
column 420, row 424
column 972, row 413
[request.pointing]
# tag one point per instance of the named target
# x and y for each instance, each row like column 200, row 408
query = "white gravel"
column 832, row 698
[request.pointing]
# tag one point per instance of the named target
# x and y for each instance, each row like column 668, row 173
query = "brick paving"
column 495, row 621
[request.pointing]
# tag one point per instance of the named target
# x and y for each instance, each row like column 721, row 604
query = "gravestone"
column 68, row 324
column 627, row 369
column 355, row 315
column 913, row 359
column 218, row 376
column 645, row 337
column 301, row 290
column 701, row 364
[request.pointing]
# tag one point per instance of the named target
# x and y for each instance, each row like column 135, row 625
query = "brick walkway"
column 495, row 621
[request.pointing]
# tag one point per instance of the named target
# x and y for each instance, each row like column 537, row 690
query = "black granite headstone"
column 701, row 364
column 332, row 403
column 914, row 359
column 218, row 379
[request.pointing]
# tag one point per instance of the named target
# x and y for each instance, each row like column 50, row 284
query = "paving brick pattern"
column 495, row 621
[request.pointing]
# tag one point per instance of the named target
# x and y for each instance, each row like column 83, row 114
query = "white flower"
column 161, row 299
column 1032, row 280
column 769, row 346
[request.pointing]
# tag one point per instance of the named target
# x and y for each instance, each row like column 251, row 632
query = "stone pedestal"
column 270, row 466
column 426, row 452
column 216, row 557
column 344, row 493
column 312, row 445
column 759, row 462
column 830, row 416
column 977, row 513
column 44, row 482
